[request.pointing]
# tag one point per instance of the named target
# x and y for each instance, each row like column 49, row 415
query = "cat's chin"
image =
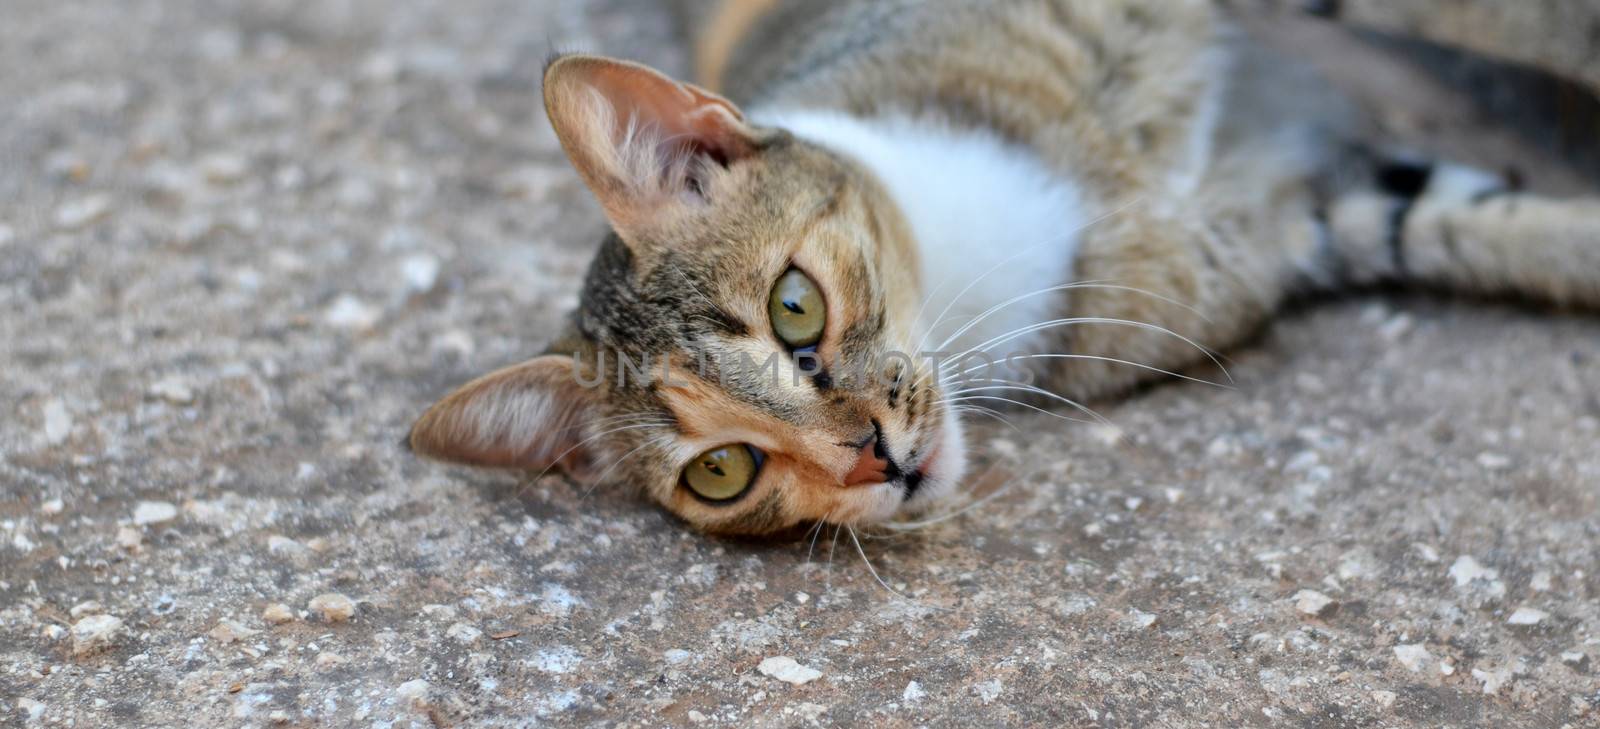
column 941, row 473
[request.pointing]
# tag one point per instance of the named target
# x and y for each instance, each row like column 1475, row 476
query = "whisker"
column 816, row 531
column 1071, row 321
column 632, row 426
column 1066, row 287
column 874, row 571
column 906, row 526
column 1112, row 360
column 969, row 398
column 832, row 547
column 1024, row 387
column 603, row 474
column 990, row 412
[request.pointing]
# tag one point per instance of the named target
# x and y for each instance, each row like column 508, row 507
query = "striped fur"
column 1196, row 180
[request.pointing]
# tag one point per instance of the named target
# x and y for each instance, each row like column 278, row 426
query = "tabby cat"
column 1092, row 193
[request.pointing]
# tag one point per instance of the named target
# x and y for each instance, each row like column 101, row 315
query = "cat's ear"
column 525, row 416
column 639, row 138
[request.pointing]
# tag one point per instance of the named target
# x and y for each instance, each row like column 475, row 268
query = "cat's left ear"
column 640, row 139
column 527, row 416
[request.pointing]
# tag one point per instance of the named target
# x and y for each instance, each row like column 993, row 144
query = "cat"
column 1101, row 192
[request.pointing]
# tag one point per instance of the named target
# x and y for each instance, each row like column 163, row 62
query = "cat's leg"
column 1459, row 229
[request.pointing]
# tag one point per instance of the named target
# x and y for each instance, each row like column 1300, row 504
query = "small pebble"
column 785, row 669
column 453, row 341
column 230, row 631
column 224, row 169
column 332, row 607
column 1497, row 679
column 677, row 656
column 282, row 545
column 277, row 614
column 421, row 272
column 414, row 693
column 79, row 213
column 173, row 389
column 57, row 422
column 1576, row 659
column 1413, row 657
column 1141, row 619
column 88, row 607
column 147, row 513
column 32, row 709
column 95, row 633
column 52, row 507
column 328, row 659
column 913, row 692
column 463, row 633
column 1527, row 616
column 1466, row 569
column 129, row 538
column 1494, row 461
column 1313, row 603
column 349, row 312
column 1385, row 699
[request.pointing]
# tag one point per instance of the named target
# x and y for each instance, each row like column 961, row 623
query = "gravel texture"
column 243, row 243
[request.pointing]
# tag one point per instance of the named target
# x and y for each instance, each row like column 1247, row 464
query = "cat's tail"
column 1461, row 229
column 713, row 29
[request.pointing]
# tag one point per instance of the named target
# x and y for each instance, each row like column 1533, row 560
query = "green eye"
column 797, row 310
column 722, row 474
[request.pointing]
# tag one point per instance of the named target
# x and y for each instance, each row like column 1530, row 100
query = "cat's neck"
column 992, row 222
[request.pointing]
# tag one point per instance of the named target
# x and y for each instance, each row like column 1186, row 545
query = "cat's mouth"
column 934, row 477
column 911, row 481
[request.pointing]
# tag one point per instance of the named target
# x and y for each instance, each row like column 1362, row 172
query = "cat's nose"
column 872, row 464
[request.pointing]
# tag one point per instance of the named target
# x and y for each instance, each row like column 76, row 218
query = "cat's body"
column 1214, row 162
column 937, row 171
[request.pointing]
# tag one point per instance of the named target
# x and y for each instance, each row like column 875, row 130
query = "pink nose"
column 871, row 466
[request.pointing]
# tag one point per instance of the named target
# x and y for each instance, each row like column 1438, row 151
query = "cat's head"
column 741, row 346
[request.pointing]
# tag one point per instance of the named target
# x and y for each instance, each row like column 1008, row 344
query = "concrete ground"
column 242, row 244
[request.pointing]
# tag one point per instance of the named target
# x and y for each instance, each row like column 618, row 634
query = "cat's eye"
column 724, row 473
column 797, row 310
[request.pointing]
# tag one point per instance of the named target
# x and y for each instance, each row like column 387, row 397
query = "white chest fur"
column 993, row 224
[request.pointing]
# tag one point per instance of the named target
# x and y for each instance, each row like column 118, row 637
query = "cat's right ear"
column 640, row 139
column 525, row 416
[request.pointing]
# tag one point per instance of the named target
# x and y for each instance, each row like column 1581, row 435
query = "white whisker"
column 596, row 436
column 1024, row 387
column 660, row 439
column 990, row 412
column 1098, row 358
column 1065, row 287
column 907, row 526
column 876, row 576
column 1072, row 321
column 816, row 531
column 1019, row 403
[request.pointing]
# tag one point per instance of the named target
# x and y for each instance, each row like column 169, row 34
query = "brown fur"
column 708, row 210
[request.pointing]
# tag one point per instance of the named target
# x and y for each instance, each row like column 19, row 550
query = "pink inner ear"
column 526, row 416
column 691, row 120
